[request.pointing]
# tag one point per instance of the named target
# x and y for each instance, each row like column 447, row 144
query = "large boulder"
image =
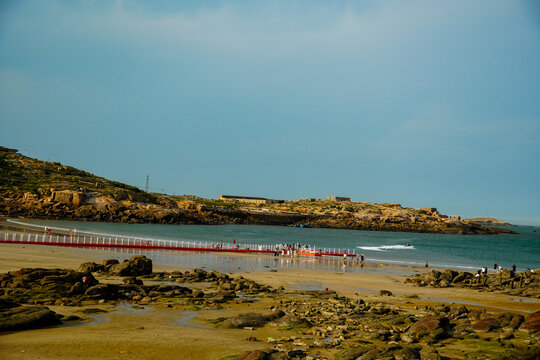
column 531, row 323
column 89, row 267
column 138, row 265
column 27, row 317
column 429, row 326
column 487, row 324
column 73, row 198
column 251, row 319
column 103, row 291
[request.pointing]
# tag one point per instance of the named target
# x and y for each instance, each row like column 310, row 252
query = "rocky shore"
column 526, row 283
column 39, row 189
column 275, row 322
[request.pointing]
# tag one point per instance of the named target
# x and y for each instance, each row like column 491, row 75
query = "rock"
column 507, row 274
column 6, row 304
column 385, row 293
column 407, row 354
column 89, row 267
column 370, row 355
column 449, row 275
column 434, row 275
column 27, row 317
column 132, row 280
column 251, row 319
column 103, row 291
column 429, row 353
column 354, row 353
column 77, row 289
column 407, row 339
column 253, row 355
column 138, row 265
column 165, row 288
column 516, row 321
column 291, row 320
column 531, row 323
column 486, row 324
column 108, row 263
column 197, row 293
column 72, row 198
column 429, row 325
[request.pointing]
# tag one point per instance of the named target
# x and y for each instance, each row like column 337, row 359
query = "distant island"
column 49, row 190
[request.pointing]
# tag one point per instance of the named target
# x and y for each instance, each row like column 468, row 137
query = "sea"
column 462, row 252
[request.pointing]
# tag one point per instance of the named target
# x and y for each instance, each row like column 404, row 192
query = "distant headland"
column 49, row 190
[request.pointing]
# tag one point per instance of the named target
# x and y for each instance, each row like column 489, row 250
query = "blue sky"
column 421, row 103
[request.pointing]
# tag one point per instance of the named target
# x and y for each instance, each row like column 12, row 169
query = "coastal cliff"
column 50, row 190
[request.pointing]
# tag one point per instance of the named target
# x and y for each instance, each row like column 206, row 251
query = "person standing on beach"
column 427, row 264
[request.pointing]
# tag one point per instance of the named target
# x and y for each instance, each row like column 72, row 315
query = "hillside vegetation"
column 41, row 189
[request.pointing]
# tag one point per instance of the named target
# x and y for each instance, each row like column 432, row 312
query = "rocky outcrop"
column 63, row 192
column 71, row 198
column 526, row 283
column 27, row 317
column 136, row 266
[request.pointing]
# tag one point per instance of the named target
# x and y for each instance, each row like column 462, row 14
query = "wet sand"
column 165, row 333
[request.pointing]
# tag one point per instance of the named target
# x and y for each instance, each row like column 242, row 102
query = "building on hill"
column 338, row 198
column 250, row 199
column 428, row 210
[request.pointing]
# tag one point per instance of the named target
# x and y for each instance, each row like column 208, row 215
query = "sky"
column 422, row 103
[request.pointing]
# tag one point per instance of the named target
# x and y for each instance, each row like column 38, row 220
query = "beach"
column 160, row 332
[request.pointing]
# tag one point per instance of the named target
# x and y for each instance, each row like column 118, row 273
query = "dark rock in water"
column 251, row 319
column 138, row 265
column 385, row 293
column 27, row 317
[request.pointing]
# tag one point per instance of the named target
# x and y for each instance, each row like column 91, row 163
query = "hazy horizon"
column 420, row 103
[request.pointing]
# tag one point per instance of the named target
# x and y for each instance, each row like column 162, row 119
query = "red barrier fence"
column 157, row 244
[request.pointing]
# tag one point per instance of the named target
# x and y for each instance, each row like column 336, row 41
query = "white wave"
column 387, row 247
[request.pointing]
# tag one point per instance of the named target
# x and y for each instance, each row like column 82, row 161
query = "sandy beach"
column 161, row 332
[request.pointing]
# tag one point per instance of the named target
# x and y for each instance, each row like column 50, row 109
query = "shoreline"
column 386, row 258
column 366, row 284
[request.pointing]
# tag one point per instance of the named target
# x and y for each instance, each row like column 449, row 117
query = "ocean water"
column 467, row 252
